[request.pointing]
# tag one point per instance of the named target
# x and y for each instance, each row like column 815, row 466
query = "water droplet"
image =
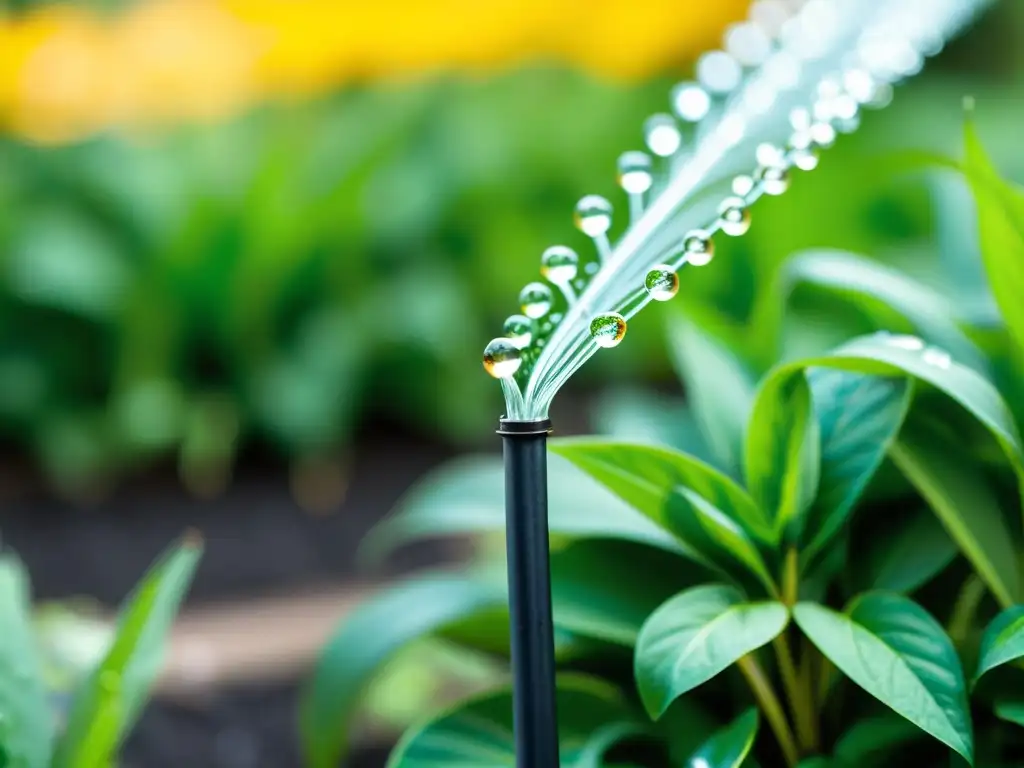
column 719, row 72
column 579, row 284
column 546, row 327
column 593, row 216
column 556, row 318
column 774, row 179
column 535, row 300
column 937, row 357
column 742, row 185
column 734, row 217
column 608, row 329
column 748, row 43
column 859, row 84
column 559, row 264
column 592, row 268
column 635, row 175
column 823, row 134
column 805, row 159
column 769, row 154
column 519, row 330
column 800, row 119
column 662, row 135
column 691, row 102
column 699, row 248
column 910, row 343
column 662, row 283
column 502, row 358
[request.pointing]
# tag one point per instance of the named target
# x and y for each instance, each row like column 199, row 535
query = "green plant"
column 839, row 557
column 108, row 699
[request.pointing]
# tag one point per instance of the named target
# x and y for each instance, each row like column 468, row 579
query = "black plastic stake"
column 529, row 592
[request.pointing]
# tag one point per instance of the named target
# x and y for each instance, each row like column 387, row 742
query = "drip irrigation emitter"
column 787, row 82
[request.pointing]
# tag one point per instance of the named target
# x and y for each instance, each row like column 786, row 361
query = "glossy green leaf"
column 964, row 502
column 717, row 540
column 695, row 636
column 26, row 734
column 605, row 590
column 1010, row 710
column 367, row 638
column 896, row 651
column 858, row 416
column 729, row 747
column 1001, row 228
column 644, row 476
column 783, row 452
column 908, row 553
column 718, row 387
column 478, row 733
column 468, row 496
column 869, row 283
column 1003, row 640
column 108, row 703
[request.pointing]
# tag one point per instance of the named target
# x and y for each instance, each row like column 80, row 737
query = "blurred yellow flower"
column 66, row 72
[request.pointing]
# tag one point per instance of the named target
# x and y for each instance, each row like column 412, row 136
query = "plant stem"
column 769, row 703
column 971, row 594
column 791, row 578
column 800, row 704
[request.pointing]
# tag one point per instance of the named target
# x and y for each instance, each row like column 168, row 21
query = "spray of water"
column 786, row 83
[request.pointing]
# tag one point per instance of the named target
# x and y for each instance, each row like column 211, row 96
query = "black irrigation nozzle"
column 529, row 587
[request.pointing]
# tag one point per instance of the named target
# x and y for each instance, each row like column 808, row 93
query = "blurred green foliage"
column 286, row 277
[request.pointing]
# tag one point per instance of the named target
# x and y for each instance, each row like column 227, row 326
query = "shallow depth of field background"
column 250, row 253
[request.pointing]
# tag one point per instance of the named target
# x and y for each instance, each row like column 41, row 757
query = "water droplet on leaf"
column 635, row 175
column 937, row 357
column 608, row 329
column 910, row 343
column 734, row 217
column 691, row 102
column 662, row 135
column 774, row 179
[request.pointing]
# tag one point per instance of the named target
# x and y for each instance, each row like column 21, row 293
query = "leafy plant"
column 107, row 702
column 833, row 579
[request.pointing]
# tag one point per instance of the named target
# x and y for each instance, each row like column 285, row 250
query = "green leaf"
column 1010, row 710
column 109, row 702
column 858, row 416
column 867, row 283
column 718, row 387
column 716, row 540
column 644, row 476
column 911, row 553
column 468, row 496
column 898, row 653
column 367, row 638
column 27, row 733
column 478, row 733
column 963, row 501
column 783, row 452
column 605, row 590
column 641, row 416
column 695, row 636
column 1003, row 640
column 1001, row 228
column 866, row 741
column 729, row 747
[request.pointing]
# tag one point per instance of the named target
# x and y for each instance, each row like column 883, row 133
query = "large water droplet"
column 502, row 358
column 519, row 330
column 662, row 135
column 719, row 72
column 774, row 179
column 699, row 248
column 937, row 357
column 662, row 283
column 593, row 216
column 535, row 300
column 559, row 264
column 734, row 216
column 769, row 154
column 805, row 158
column 910, row 343
column 823, row 134
column 608, row 329
column 691, row 102
column 800, row 119
column 635, row 175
